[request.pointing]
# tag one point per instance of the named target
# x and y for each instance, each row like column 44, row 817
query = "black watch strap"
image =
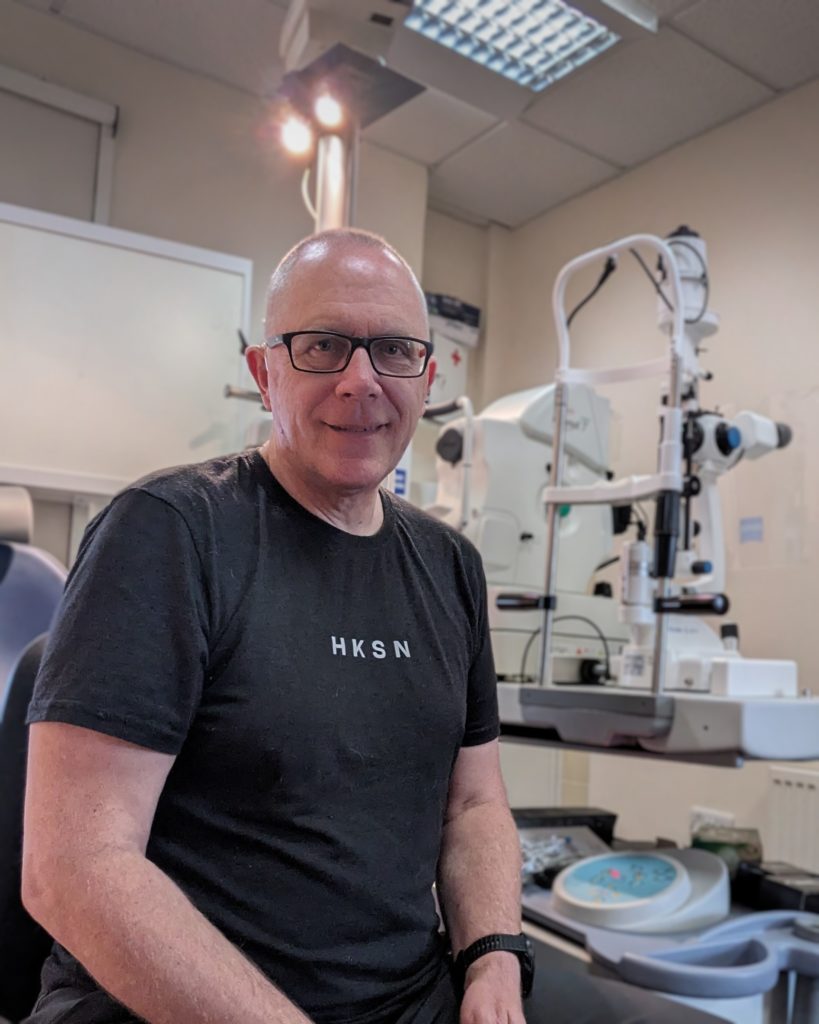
column 520, row 945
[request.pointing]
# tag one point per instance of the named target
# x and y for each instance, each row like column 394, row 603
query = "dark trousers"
column 564, row 993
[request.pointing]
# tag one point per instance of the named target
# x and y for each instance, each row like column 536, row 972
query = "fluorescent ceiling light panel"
column 532, row 42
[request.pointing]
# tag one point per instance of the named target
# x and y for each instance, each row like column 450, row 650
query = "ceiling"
column 511, row 155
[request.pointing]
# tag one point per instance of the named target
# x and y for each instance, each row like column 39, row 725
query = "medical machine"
column 492, row 472
column 672, row 684
column 698, row 658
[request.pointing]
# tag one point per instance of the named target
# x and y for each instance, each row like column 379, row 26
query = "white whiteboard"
column 115, row 349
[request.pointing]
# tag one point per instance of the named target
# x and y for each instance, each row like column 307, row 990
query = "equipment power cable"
column 611, row 266
column 566, row 618
column 608, row 270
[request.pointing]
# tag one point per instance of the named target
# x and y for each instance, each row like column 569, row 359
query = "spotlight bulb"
column 296, row 136
column 328, row 111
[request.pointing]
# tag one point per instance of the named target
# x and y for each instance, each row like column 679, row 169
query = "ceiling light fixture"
column 297, row 136
column 328, row 111
column 532, row 42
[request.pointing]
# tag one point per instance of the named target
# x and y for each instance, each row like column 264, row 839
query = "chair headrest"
column 16, row 515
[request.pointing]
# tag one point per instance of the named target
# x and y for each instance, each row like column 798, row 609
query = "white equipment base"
column 677, row 724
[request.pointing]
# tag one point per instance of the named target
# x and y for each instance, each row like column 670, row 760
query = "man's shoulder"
column 432, row 530
column 194, row 488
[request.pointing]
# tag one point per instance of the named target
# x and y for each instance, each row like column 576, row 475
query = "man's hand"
column 492, row 991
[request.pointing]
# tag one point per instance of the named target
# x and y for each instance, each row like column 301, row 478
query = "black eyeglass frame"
column 287, row 337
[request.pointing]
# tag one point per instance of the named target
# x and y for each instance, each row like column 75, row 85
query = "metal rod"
column 245, row 393
column 352, row 173
column 466, row 460
column 332, row 197
column 674, row 401
column 555, row 480
column 660, row 641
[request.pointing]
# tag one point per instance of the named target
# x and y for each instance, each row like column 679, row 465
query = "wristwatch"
column 520, row 945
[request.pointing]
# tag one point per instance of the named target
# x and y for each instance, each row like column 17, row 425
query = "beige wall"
column 455, row 263
column 751, row 189
column 196, row 160
column 455, row 258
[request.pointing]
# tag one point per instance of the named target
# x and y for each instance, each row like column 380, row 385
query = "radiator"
column 792, row 832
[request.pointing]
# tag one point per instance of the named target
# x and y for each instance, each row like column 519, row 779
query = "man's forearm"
column 140, row 938
column 479, row 879
column 479, row 873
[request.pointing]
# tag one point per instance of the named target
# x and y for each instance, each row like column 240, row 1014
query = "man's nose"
column 359, row 379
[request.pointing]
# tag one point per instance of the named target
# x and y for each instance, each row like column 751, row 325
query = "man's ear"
column 432, row 370
column 257, row 364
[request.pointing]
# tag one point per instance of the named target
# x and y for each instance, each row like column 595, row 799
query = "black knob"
column 523, row 602
column 684, row 231
column 728, row 438
column 603, row 589
column 784, row 434
column 692, row 604
column 450, row 446
column 592, row 673
column 729, row 629
column 620, row 518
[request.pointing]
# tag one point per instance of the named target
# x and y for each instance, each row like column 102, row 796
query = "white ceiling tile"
column 236, row 43
column 440, row 67
column 778, row 42
column 646, row 96
column 429, row 127
column 706, row 65
column 514, row 173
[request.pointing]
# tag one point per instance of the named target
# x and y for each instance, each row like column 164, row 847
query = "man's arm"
column 90, row 802
column 479, row 883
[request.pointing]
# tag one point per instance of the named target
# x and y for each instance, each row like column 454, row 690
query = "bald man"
column 266, row 717
column 266, row 720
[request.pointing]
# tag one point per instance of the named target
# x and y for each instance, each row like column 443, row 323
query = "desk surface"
column 555, row 941
column 570, row 989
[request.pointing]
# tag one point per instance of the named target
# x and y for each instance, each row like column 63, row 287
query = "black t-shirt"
column 315, row 687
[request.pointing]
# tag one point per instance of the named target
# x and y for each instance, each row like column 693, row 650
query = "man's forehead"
column 345, row 258
column 328, row 287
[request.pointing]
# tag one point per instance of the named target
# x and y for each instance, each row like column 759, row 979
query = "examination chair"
column 31, row 584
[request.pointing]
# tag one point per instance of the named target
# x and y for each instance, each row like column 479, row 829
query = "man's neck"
column 359, row 513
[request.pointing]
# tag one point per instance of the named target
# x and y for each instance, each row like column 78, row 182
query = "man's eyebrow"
column 398, row 332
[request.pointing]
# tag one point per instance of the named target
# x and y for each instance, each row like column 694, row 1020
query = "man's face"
column 343, row 432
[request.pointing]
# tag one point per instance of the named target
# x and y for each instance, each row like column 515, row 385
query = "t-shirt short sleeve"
column 128, row 653
column 482, row 719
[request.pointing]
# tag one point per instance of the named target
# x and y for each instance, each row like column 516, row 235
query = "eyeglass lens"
column 325, row 353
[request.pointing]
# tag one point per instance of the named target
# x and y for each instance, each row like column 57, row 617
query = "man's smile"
column 357, row 429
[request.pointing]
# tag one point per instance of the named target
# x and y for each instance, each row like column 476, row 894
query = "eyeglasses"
column 329, row 352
